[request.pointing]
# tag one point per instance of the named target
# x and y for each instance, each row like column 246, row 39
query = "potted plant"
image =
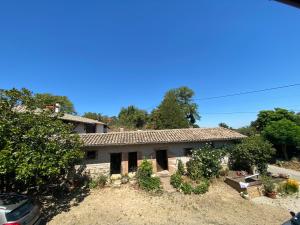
column 269, row 187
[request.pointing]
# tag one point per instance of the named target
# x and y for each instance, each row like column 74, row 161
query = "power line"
column 240, row 93
column 247, row 92
column 232, row 113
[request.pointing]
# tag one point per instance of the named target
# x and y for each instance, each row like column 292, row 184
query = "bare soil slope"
column 221, row 205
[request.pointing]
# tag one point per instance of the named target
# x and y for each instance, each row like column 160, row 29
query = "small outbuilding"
column 122, row 152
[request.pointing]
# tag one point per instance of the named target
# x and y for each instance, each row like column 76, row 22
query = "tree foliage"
column 224, row 125
column 247, row 130
column 132, row 117
column 110, row 121
column 93, row 116
column 252, row 151
column 265, row 117
column 45, row 99
column 184, row 96
column 284, row 133
column 169, row 114
column 35, row 148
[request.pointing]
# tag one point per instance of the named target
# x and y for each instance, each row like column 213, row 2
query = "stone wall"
column 175, row 152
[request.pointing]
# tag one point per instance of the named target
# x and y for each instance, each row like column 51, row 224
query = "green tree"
column 132, row 117
column 184, row 96
column 265, row 117
column 45, row 99
column 169, row 114
column 284, row 133
column 35, row 148
column 93, row 116
column 252, row 151
column 224, row 125
column 247, row 130
column 110, row 121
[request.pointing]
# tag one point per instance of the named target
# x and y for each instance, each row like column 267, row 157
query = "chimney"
column 121, row 129
column 57, row 108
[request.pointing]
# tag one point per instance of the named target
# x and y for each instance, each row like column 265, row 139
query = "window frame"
column 91, row 158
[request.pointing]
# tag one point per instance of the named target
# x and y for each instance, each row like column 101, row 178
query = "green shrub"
column 180, row 167
column 176, row 180
column 150, row 184
column 252, row 151
column 201, row 188
column 145, row 180
column 194, row 170
column 268, row 184
column 205, row 162
column 98, row 182
column 186, row 188
column 145, row 169
column 92, row 184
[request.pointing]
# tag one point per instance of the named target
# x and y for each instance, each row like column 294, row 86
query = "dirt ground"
column 293, row 165
column 291, row 203
column 125, row 205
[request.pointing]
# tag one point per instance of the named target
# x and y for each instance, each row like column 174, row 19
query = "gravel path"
column 290, row 203
column 293, row 173
column 127, row 206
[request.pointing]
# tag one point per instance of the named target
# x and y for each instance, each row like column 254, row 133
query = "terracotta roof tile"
column 160, row 136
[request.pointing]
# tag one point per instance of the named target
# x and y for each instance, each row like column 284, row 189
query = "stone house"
column 122, row 152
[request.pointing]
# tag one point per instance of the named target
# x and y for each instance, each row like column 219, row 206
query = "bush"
column 205, row 162
column 150, row 184
column 194, row 170
column 99, row 182
column 289, row 187
column 201, row 188
column 268, row 184
column 180, row 167
column 145, row 180
column 145, row 169
column 186, row 188
column 176, row 180
column 252, row 151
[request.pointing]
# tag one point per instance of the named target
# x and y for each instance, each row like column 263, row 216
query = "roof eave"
column 164, row 142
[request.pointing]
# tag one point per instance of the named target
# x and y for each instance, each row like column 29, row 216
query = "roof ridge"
column 156, row 131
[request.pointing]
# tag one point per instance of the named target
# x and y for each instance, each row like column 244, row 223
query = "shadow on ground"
column 59, row 200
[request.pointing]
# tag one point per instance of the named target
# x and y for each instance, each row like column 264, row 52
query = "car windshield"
column 19, row 212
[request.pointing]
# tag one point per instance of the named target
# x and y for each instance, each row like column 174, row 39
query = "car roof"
column 9, row 202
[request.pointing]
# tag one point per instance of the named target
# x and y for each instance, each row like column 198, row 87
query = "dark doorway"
column 115, row 163
column 132, row 161
column 162, row 160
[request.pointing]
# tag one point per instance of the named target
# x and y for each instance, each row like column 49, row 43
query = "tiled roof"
column 66, row 116
column 160, row 136
column 81, row 119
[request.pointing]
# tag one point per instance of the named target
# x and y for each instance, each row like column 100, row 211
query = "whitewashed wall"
column 99, row 128
column 79, row 128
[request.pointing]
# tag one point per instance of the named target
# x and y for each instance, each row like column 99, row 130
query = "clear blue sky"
column 107, row 54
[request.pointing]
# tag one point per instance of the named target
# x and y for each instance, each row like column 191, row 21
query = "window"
column 188, row 152
column 90, row 155
column 90, row 128
column 19, row 212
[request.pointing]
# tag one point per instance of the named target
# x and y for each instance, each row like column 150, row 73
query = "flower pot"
column 271, row 194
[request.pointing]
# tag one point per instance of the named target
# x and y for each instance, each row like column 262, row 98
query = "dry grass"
column 221, row 205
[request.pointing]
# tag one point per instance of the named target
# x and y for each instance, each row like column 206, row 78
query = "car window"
column 19, row 212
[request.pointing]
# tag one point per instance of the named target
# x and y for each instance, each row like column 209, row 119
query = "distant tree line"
column 177, row 110
column 281, row 127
